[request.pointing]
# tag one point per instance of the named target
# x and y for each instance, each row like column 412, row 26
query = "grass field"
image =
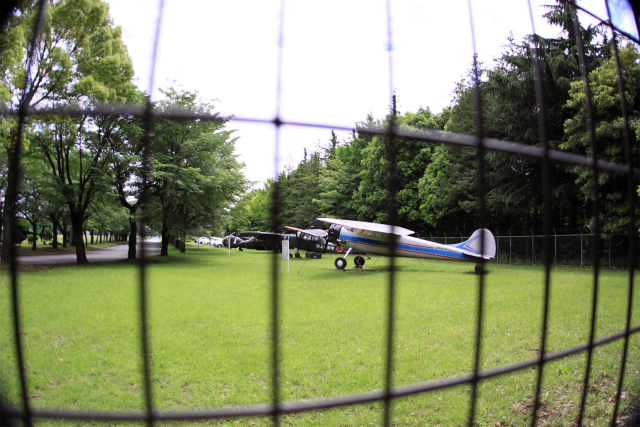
column 210, row 332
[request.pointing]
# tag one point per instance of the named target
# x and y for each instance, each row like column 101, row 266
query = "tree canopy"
column 80, row 60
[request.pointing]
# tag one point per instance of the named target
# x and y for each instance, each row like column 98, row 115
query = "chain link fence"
column 575, row 250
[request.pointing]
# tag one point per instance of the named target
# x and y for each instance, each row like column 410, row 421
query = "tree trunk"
column 183, row 248
column 65, row 232
column 8, row 213
column 76, row 226
column 132, row 238
column 54, row 229
column 164, row 246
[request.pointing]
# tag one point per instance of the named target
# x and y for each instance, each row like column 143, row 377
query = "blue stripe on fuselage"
column 405, row 249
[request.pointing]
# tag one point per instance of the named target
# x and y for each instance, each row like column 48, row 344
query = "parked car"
column 216, row 241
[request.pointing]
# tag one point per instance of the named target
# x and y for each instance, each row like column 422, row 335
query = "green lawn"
column 210, row 332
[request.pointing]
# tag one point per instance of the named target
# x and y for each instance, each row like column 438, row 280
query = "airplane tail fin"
column 479, row 238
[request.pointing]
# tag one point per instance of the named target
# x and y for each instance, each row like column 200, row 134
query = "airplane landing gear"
column 358, row 261
column 478, row 269
column 340, row 263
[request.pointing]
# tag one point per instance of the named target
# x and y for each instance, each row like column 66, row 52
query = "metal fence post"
column 555, row 247
column 581, row 248
column 532, row 253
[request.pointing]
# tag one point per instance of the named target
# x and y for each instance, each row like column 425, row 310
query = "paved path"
column 108, row 253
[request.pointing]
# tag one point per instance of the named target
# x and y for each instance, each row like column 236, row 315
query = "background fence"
column 575, row 250
column 546, row 250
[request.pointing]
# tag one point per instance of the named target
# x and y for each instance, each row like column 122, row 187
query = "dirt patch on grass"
column 562, row 406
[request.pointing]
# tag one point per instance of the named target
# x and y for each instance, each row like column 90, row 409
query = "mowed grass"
column 210, row 331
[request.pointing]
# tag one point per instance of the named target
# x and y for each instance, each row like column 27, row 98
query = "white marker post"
column 285, row 254
column 229, row 247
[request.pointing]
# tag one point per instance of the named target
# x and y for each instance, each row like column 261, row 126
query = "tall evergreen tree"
column 609, row 132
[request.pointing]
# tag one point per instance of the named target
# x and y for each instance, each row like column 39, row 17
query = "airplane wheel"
column 358, row 261
column 290, row 255
column 297, row 254
column 478, row 269
column 340, row 263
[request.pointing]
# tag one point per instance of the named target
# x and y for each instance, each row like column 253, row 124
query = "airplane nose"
column 334, row 232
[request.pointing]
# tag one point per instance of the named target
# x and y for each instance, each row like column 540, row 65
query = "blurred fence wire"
column 546, row 249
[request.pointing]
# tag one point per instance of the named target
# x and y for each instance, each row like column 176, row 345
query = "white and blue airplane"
column 378, row 239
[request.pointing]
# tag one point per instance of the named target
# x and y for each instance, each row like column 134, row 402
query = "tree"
column 75, row 149
column 194, row 175
column 30, row 207
column 125, row 169
column 609, row 132
column 447, row 189
column 511, row 113
column 298, row 189
column 54, row 210
column 78, row 58
column 106, row 217
column 412, row 158
column 337, row 183
column 250, row 212
column 340, row 178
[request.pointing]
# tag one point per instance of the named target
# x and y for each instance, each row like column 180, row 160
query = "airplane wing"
column 371, row 226
column 264, row 235
column 311, row 231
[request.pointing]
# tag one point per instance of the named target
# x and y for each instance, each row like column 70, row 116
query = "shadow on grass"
column 47, row 249
column 404, row 268
column 37, row 268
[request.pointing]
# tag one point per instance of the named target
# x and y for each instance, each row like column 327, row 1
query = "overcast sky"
column 335, row 59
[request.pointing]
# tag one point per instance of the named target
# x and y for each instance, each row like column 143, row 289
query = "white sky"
column 335, row 59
